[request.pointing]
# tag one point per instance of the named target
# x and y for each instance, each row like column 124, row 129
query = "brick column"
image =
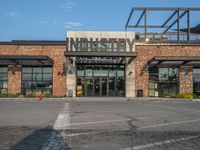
column 186, row 79
column 14, row 79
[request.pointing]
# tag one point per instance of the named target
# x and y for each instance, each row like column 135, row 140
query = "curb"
column 101, row 99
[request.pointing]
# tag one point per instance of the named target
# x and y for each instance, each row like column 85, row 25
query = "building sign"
column 103, row 44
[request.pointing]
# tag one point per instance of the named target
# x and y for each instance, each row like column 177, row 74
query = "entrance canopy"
column 174, row 61
column 99, row 54
column 26, row 60
column 101, row 57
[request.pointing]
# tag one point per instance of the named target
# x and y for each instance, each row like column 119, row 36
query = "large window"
column 3, row 79
column 37, row 79
column 196, row 81
column 163, row 82
column 100, row 80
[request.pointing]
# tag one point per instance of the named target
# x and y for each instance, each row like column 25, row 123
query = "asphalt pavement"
column 99, row 124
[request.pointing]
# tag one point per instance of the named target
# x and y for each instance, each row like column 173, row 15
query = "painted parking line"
column 160, row 143
column 139, row 128
column 117, row 120
column 63, row 119
column 169, row 124
column 103, row 115
column 57, row 140
column 170, row 107
column 98, row 122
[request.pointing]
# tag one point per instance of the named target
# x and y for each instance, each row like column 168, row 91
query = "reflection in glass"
column 37, row 79
column 102, row 80
column 163, row 82
column 112, row 85
column 196, row 81
column 80, row 87
column 88, row 73
column 104, row 86
column 120, row 86
column 89, row 87
column 3, row 79
column 97, row 87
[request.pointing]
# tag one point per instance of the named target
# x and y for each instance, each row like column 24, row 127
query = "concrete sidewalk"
column 103, row 99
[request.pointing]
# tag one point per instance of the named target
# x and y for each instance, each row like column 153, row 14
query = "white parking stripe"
column 97, row 122
column 170, row 141
column 168, row 124
column 107, row 121
column 139, row 128
column 63, row 119
column 57, row 140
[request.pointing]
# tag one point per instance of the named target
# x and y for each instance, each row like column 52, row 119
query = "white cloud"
column 68, row 4
column 44, row 22
column 73, row 25
column 14, row 14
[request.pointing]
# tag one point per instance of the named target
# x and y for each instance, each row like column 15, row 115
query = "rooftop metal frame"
column 178, row 12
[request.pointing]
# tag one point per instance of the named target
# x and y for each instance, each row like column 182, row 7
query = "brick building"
column 31, row 66
column 152, row 69
column 121, row 64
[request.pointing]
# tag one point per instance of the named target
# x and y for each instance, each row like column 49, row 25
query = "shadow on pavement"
column 42, row 139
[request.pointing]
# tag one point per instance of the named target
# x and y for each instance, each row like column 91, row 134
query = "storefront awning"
column 99, row 54
column 25, row 60
column 174, row 61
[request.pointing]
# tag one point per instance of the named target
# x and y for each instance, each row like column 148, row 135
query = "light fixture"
column 59, row 73
column 130, row 73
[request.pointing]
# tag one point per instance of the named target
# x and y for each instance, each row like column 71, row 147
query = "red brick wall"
column 147, row 52
column 14, row 79
column 186, row 79
column 54, row 52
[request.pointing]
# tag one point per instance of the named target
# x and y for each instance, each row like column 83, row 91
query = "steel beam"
column 140, row 18
column 188, row 24
column 175, row 21
column 178, row 24
column 164, row 24
column 129, row 18
column 99, row 54
column 151, row 26
column 145, row 23
column 163, row 9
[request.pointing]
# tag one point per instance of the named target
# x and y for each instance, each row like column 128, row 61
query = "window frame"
column 33, row 89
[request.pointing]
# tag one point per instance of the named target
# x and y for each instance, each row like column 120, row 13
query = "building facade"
column 106, row 64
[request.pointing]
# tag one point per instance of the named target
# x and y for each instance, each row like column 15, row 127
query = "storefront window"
column 3, row 79
column 100, row 80
column 163, row 82
column 37, row 79
column 196, row 81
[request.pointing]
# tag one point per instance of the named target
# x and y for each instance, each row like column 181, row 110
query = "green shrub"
column 9, row 95
column 30, row 95
column 186, row 95
column 3, row 95
column 195, row 96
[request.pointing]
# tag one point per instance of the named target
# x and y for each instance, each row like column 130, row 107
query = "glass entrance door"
column 104, row 87
column 97, row 87
column 100, row 80
column 112, row 86
column 89, row 87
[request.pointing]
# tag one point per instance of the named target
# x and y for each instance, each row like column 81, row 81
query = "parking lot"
column 99, row 124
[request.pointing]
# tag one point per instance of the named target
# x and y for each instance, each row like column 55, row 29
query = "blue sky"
column 50, row 19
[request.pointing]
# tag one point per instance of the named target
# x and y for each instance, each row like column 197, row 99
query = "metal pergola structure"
column 178, row 12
